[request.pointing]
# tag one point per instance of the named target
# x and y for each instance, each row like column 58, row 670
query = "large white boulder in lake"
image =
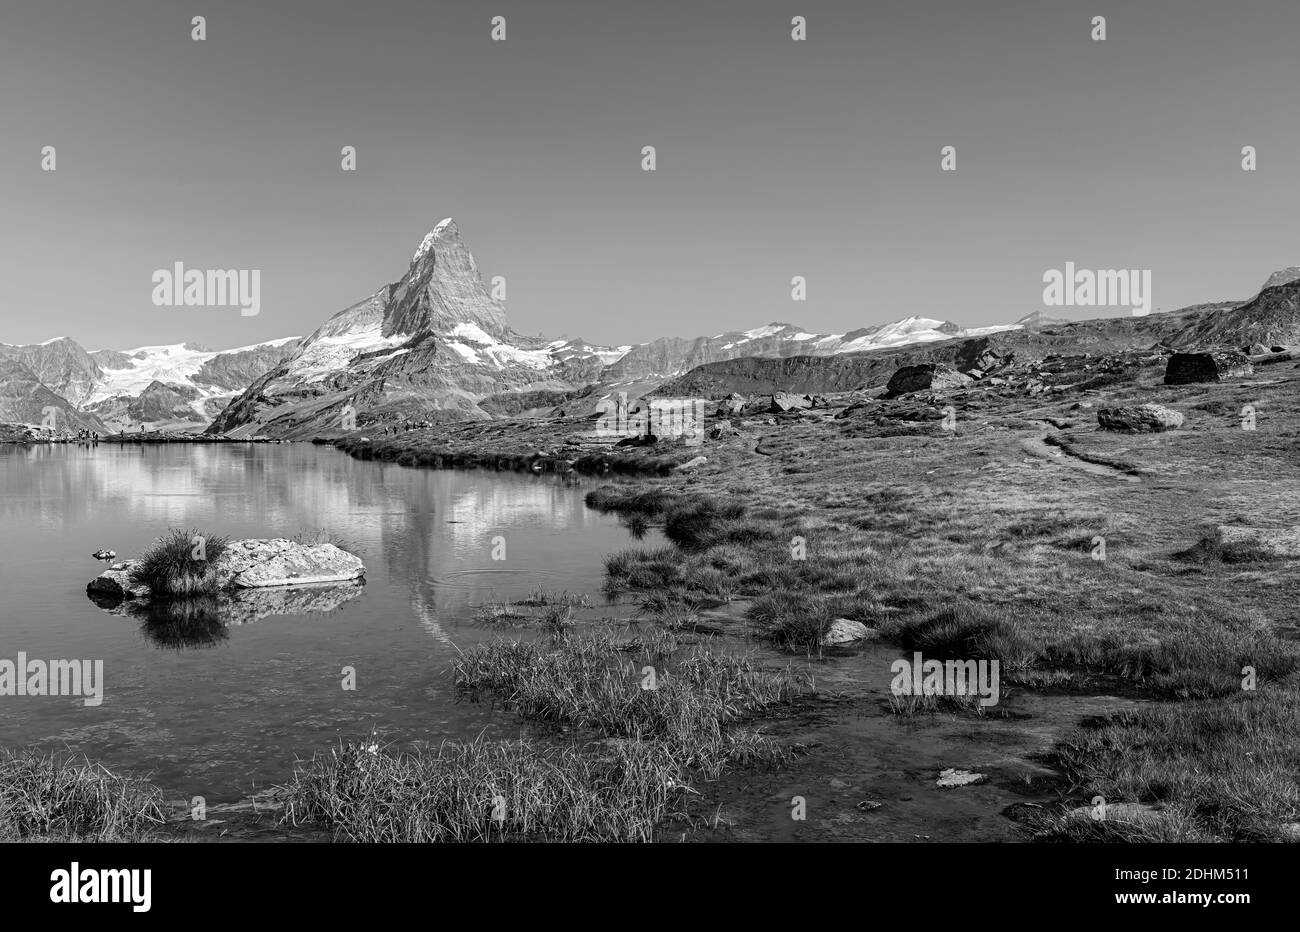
column 251, row 564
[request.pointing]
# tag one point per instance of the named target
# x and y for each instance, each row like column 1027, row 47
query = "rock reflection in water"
column 202, row 621
column 182, row 624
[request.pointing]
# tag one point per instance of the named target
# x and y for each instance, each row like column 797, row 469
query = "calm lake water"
column 226, row 720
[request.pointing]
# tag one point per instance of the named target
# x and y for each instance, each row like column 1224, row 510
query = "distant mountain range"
column 436, row 345
column 182, row 386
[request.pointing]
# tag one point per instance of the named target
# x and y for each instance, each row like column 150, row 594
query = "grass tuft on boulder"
column 180, row 564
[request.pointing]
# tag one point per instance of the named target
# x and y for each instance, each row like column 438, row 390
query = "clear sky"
column 775, row 158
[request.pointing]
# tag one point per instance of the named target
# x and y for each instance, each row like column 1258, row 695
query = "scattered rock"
column 1130, row 813
column 786, row 401
column 115, row 583
column 732, row 404
column 925, row 377
column 1255, row 349
column 1139, row 419
column 720, row 431
column 846, row 631
column 1185, row 368
column 867, row 805
column 952, row 777
column 692, row 463
column 1282, row 543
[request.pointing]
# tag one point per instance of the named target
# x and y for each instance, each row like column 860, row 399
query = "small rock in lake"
column 952, row 777
column 846, row 631
column 105, row 554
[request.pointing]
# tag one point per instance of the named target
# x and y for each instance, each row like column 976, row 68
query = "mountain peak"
column 1282, row 277
column 445, row 231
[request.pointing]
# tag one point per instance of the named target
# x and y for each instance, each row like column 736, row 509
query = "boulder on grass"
column 788, row 401
column 732, row 404
column 1187, row 368
column 1139, row 419
column 930, row 376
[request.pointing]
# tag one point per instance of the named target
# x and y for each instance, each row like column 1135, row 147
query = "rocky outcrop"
column 1139, row 419
column 1188, row 368
column 925, row 377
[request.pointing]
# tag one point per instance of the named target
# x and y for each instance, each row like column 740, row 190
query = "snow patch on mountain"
column 173, row 364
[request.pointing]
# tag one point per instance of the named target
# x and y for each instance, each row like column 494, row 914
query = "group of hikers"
column 89, row 436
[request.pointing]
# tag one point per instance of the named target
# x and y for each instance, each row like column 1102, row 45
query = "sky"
column 775, row 158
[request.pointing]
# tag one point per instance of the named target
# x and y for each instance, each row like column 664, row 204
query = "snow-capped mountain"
column 673, row 356
column 430, row 345
column 434, row 344
column 177, row 386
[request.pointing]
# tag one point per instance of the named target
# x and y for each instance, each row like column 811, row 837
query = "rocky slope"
column 848, row 372
column 24, row 399
column 1271, row 318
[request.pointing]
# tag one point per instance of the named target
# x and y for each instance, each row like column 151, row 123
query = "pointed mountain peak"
column 446, row 231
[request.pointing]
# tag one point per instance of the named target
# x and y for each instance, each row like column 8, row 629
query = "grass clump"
column 624, row 772
column 965, row 631
column 47, row 795
column 542, row 598
column 315, row 538
column 485, row 790
column 792, row 619
column 585, row 682
column 1224, row 769
column 179, row 564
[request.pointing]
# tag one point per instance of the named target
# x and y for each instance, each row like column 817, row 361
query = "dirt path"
column 1038, row 446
